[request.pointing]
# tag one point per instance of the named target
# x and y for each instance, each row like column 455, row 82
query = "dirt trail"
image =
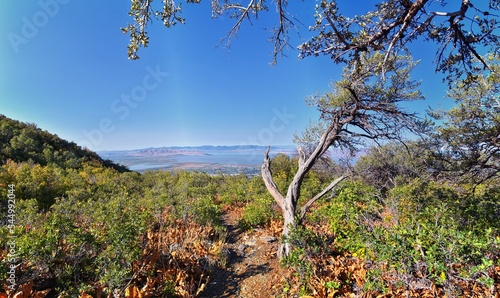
column 252, row 268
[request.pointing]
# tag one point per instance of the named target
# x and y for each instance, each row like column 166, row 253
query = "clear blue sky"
column 65, row 68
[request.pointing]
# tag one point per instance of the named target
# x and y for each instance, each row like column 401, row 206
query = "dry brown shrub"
column 178, row 256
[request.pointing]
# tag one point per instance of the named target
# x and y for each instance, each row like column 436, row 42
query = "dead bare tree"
column 363, row 105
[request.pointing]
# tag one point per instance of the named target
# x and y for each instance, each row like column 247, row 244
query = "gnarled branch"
column 269, row 182
column 309, row 203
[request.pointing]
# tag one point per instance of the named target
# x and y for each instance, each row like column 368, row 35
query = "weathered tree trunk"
column 288, row 204
column 289, row 223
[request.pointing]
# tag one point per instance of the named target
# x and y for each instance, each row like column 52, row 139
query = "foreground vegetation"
column 394, row 228
column 160, row 233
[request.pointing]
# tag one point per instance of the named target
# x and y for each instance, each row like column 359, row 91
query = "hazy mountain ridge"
column 166, row 152
column 228, row 159
column 208, row 158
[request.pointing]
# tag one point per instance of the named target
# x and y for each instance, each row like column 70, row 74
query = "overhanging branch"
column 234, row 30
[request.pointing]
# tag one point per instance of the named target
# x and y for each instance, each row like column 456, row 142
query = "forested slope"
column 26, row 142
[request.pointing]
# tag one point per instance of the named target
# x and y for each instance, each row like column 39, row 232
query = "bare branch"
column 468, row 45
column 280, row 36
column 302, row 156
column 461, row 12
column 236, row 27
column 269, row 181
column 393, row 26
column 339, row 35
column 412, row 12
column 309, row 203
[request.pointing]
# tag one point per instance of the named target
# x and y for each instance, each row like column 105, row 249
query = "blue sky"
column 65, row 68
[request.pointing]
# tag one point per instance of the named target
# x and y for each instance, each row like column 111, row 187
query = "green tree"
column 283, row 168
column 363, row 105
column 375, row 46
column 469, row 137
column 25, row 145
column 385, row 166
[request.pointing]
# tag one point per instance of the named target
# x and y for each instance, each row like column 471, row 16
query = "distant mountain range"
column 211, row 159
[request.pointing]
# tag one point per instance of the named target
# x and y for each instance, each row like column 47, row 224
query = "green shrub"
column 205, row 211
column 308, row 247
column 427, row 235
column 234, row 189
column 258, row 212
column 56, row 248
column 354, row 209
column 422, row 229
column 81, row 242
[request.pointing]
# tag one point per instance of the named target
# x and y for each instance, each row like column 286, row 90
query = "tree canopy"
column 469, row 137
column 461, row 33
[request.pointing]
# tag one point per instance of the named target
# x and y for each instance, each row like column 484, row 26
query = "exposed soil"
column 252, row 268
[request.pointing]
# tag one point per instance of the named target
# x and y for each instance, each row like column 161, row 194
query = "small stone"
column 268, row 239
column 250, row 242
column 241, row 249
column 175, row 247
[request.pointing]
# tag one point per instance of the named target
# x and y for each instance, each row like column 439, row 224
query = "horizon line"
column 198, row 146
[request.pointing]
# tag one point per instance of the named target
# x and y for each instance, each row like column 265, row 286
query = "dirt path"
column 252, row 268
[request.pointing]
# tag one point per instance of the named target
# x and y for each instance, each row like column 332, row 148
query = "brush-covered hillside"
column 26, row 142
